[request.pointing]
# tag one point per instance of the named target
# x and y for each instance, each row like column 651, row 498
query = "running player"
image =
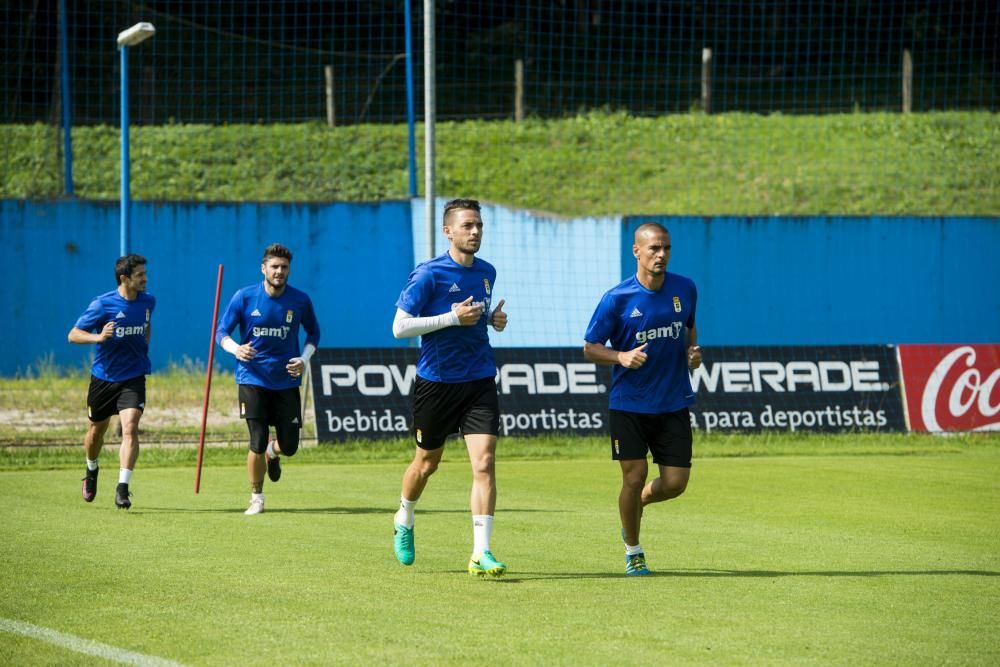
column 269, row 365
column 649, row 320
column 118, row 322
column 446, row 301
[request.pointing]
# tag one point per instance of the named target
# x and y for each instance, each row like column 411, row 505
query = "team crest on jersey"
column 677, row 304
column 486, row 284
column 288, row 316
column 147, row 314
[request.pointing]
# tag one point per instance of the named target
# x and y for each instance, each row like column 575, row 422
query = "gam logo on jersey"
column 672, row 331
column 137, row 330
column 272, row 332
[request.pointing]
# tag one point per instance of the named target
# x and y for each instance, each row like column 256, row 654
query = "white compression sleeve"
column 307, row 352
column 230, row 345
column 408, row 326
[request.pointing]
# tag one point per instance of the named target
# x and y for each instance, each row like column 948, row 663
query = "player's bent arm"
column 77, row 335
column 601, row 354
column 408, row 326
column 308, row 350
column 693, row 350
column 81, row 337
column 229, row 345
column 692, row 337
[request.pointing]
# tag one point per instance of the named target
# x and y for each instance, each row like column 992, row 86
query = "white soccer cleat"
column 256, row 506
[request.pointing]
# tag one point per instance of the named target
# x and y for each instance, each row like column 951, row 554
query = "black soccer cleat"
column 274, row 468
column 122, row 495
column 89, row 488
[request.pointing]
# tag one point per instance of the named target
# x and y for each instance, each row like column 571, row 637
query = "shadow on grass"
column 311, row 510
column 821, row 573
column 764, row 574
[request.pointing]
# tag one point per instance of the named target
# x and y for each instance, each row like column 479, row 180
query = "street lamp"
column 137, row 34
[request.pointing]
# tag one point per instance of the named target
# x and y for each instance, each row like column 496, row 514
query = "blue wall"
column 550, row 270
column 837, row 280
column 350, row 258
column 774, row 281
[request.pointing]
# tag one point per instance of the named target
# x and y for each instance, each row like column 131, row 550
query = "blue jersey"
column 126, row 354
column 630, row 315
column 271, row 325
column 456, row 353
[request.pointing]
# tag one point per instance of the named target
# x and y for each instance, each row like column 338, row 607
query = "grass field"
column 859, row 558
column 49, row 407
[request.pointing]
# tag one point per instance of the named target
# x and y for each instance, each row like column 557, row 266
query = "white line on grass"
column 87, row 646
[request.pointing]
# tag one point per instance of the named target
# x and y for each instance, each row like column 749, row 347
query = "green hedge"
column 591, row 164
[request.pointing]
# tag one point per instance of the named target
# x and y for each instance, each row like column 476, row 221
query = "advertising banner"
column 366, row 393
column 952, row 387
column 828, row 388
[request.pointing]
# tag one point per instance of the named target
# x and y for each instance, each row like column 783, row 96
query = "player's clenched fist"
column 468, row 312
column 634, row 358
column 499, row 318
column 694, row 357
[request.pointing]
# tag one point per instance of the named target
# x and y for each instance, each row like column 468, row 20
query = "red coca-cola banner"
column 951, row 387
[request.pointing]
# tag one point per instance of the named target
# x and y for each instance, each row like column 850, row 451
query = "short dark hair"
column 460, row 205
column 126, row 265
column 277, row 250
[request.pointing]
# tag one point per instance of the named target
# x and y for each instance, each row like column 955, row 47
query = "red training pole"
column 208, row 381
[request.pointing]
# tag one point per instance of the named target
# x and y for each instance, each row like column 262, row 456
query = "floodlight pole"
column 429, row 120
column 410, row 112
column 64, row 100
column 134, row 35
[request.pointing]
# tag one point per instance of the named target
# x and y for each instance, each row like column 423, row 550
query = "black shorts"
column 273, row 406
column 667, row 436
column 109, row 398
column 443, row 408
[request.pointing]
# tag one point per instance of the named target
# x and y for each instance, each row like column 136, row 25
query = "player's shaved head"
column 649, row 228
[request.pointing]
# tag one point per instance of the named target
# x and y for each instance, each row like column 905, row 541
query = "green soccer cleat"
column 635, row 566
column 402, row 541
column 486, row 564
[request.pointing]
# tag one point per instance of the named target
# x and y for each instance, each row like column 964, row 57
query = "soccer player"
column 269, row 365
column 118, row 322
column 649, row 320
column 446, row 301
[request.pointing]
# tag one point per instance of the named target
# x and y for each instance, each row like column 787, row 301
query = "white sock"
column 404, row 515
column 270, row 450
column 91, row 465
column 482, row 527
column 632, row 551
column 257, row 496
column 124, row 476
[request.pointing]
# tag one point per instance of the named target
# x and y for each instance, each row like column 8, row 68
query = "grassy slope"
column 597, row 163
column 822, row 560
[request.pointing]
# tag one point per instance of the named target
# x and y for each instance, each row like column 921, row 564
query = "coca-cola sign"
column 952, row 387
